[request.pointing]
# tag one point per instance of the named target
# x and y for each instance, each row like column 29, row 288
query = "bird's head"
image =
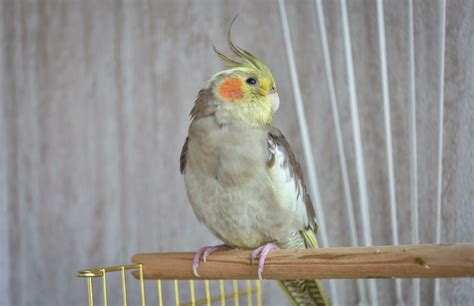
column 244, row 91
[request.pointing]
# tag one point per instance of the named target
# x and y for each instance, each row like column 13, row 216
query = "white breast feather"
column 289, row 191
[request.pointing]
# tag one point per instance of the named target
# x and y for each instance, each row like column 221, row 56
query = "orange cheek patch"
column 231, row 89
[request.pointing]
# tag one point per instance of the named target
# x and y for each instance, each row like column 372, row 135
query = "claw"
column 195, row 269
column 204, row 253
column 255, row 253
column 262, row 252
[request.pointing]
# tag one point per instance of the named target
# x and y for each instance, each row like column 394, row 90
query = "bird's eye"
column 251, row 81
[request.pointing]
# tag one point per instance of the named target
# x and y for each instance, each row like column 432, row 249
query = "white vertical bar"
column 308, row 154
column 4, row 228
column 415, row 236
column 363, row 197
column 340, row 144
column 442, row 33
column 388, row 137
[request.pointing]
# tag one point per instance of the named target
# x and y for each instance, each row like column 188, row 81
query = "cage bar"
column 192, row 293
column 104, row 287
column 248, row 287
column 176, row 292
column 159, row 292
column 360, row 166
column 388, row 137
column 235, row 286
column 442, row 34
column 307, row 148
column 340, row 145
column 124, row 286
column 415, row 235
column 222, row 291
column 90, row 291
column 259, row 292
column 208, row 293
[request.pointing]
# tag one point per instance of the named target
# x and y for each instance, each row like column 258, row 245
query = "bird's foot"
column 204, row 253
column 262, row 253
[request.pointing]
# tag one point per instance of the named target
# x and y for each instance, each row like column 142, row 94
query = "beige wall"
column 95, row 97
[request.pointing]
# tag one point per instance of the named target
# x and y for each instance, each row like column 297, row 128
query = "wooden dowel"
column 406, row 261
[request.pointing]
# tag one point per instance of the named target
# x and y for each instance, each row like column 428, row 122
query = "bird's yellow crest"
column 246, row 62
column 248, row 82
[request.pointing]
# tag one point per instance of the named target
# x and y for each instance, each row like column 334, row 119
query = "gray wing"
column 287, row 176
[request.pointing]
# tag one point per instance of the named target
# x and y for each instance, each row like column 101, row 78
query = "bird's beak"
column 275, row 99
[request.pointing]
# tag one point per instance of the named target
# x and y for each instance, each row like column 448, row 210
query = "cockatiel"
column 242, row 178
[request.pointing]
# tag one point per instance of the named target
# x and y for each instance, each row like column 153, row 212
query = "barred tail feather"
column 304, row 292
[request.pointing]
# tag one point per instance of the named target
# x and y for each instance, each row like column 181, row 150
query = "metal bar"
column 104, row 287
column 124, row 287
column 248, row 285
column 219, row 297
column 235, row 286
column 362, row 183
column 97, row 272
column 208, row 293
column 142, row 285
column 222, row 290
column 176, row 292
column 388, row 137
column 415, row 236
column 340, row 145
column 307, row 148
column 159, row 292
column 191, row 289
column 258, row 284
column 90, row 291
column 442, row 33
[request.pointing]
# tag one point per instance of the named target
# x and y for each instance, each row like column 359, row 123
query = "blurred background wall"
column 95, row 98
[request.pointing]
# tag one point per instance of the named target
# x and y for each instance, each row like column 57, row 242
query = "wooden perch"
column 405, row 261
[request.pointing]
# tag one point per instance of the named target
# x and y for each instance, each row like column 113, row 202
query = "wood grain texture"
column 420, row 261
column 95, row 97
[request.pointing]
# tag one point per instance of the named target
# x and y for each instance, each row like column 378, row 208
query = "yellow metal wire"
column 90, row 291
column 235, row 285
column 98, row 271
column 102, row 272
column 158, row 290
column 104, row 287
column 219, row 298
column 142, row 285
column 176, row 292
column 248, row 284
column 208, row 293
column 258, row 284
column 222, row 289
column 124, row 287
column 191, row 289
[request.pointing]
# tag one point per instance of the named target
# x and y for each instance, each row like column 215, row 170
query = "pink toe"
column 204, row 253
column 257, row 251
column 255, row 254
column 207, row 252
column 264, row 250
column 214, row 249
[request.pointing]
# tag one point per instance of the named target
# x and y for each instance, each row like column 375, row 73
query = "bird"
column 242, row 178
